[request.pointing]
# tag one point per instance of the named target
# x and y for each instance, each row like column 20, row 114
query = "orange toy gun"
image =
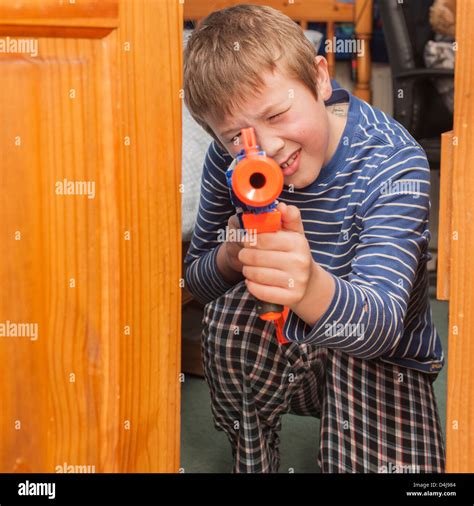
column 255, row 183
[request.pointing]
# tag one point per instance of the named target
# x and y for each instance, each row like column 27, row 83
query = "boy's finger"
column 290, row 218
column 234, row 222
column 258, row 258
column 273, row 241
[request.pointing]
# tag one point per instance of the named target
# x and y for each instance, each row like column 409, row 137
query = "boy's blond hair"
column 231, row 49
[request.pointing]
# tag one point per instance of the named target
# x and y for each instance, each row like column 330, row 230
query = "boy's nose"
column 271, row 145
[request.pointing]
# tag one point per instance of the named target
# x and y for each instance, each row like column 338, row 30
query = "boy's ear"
column 322, row 77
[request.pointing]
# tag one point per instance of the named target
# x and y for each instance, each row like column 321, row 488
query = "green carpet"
column 206, row 450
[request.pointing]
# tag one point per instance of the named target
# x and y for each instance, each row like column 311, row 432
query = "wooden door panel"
column 61, row 18
column 94, row 269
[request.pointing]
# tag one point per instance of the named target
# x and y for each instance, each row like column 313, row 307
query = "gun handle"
column 274, row 312
column 261, row 223
column 268, row 311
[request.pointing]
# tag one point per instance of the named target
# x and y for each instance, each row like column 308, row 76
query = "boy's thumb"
column 290, row 218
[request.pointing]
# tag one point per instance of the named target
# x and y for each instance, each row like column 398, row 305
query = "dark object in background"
column 416, row 103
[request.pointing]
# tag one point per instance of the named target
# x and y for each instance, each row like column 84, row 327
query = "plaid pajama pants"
column 375, row 417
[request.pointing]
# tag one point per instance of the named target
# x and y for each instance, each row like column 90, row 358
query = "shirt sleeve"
column 366, row 315
column 203, row 279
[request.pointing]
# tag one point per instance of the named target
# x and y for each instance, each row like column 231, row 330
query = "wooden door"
column 90, row 241
column 456, row 244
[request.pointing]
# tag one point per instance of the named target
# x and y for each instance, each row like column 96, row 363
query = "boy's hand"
column 279, row 266
column 232, row 248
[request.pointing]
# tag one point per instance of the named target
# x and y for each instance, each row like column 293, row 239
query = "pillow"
column 314, row 37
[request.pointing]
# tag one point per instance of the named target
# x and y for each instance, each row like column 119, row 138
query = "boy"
column 349, row 262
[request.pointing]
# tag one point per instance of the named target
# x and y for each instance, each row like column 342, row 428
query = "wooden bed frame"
column 304, row 11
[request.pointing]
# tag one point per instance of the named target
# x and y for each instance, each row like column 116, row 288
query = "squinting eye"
column 276, row 115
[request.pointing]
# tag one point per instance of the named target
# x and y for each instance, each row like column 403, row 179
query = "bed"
column 196, row 140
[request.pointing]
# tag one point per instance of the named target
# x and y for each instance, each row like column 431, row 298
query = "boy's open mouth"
column 292, row 164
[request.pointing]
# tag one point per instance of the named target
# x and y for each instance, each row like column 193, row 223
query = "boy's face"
column 287, row 119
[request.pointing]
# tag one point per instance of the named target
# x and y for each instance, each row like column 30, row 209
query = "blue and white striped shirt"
column 366, row 219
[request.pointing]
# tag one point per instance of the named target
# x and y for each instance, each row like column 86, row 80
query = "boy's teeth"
column 290, row 161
